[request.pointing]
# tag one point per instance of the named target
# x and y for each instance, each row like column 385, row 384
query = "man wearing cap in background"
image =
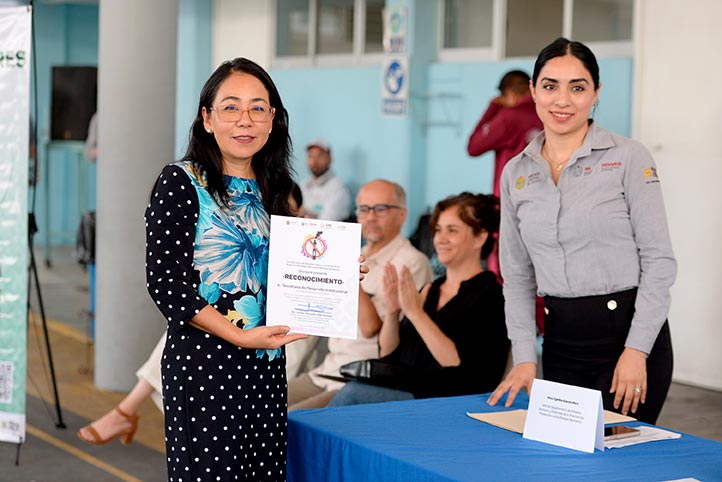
column 325, row 196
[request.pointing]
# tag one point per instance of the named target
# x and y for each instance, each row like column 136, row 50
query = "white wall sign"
column 395, row 87
column 395, row 30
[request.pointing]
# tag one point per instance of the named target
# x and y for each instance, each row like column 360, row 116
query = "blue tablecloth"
column 434, row 440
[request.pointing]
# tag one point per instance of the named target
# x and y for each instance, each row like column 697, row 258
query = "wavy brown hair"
column 478, row 211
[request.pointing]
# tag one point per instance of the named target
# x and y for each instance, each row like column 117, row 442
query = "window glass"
column 335, row 27
column 602, row 20
column 532, row 25
column 292, row 28
column 374, row 25
column 468, row 23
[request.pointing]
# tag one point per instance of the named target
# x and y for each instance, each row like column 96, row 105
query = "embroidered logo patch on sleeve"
column 650, row 175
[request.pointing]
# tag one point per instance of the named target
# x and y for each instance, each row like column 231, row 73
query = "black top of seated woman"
column 474, row 321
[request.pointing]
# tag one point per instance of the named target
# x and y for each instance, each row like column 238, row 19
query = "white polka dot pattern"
column 225, row 408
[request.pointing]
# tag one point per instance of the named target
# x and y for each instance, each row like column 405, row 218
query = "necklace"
column 547, row 156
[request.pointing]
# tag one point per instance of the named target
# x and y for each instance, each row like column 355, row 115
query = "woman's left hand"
column 629, row 383
column 409, row 297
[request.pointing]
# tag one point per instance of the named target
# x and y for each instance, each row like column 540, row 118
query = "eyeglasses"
column 380, row 210
column 234, row 112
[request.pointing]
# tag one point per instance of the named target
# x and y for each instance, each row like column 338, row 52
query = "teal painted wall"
column 342, row 106
column 195, row 19
column 64, row 35
column 68, row 35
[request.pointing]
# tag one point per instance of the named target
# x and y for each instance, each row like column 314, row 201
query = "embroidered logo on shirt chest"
column 533, row 178
column 530, row 180
column 580, row 170
column 611, row 166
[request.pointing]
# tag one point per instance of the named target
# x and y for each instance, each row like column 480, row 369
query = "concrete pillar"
column 406, row 138
column 136, row 119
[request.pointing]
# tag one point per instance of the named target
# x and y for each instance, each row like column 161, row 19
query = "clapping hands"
column 400, row 291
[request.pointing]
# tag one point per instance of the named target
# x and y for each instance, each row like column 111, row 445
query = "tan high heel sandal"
column 125, row 437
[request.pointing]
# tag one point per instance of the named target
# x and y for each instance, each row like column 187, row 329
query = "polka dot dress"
column 225, row 407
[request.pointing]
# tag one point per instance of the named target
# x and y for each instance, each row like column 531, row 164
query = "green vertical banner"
column 14, row 139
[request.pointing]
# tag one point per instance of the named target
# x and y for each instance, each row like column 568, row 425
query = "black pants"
column 583, row 339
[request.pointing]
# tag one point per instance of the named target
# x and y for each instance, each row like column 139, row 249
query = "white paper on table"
column 313, row 276
column 565, row 415
column 646, row 434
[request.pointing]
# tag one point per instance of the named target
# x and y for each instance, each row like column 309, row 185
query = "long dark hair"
column 271, row 164
column 479, row 211
column 561, row 47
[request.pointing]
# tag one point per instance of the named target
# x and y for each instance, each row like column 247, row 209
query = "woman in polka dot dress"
column 207, row 231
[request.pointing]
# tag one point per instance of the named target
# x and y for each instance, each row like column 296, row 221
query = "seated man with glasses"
column 381, row 210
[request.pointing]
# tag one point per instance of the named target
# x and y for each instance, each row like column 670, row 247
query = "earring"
column 210, row 131
column 269, row 132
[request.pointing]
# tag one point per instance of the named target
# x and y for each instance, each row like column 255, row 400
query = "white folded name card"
column 565, row 415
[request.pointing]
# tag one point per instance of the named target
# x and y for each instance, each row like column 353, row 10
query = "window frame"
column 496, row 52
column 311, row 59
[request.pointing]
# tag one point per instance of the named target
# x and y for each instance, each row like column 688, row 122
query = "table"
column 434, row 440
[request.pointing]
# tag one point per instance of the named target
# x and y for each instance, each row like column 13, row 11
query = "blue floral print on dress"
column 252, row 311
column 229, row 257
column 231, row 248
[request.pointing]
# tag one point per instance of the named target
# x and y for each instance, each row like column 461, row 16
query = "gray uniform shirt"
column 600, row 230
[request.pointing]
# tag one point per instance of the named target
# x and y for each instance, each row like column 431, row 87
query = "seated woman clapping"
column 452, row 339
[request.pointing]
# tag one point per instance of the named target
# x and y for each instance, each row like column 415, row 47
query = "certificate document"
column 313, row 272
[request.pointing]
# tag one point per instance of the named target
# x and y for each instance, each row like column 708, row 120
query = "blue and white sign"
column 394, row 30
column 395, row 87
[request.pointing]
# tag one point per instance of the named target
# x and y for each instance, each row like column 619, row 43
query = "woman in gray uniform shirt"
column 583, row 224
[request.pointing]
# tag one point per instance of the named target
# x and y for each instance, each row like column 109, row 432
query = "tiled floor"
column 52, row 454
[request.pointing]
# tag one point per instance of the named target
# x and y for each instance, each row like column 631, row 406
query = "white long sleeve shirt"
column 326, row 197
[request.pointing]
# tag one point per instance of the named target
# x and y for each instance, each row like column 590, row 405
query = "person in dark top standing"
column 452, row 339
column 207, row 233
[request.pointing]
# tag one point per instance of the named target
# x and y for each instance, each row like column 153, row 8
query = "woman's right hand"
column 267, row 337
column 521, row 376
column 391, row 289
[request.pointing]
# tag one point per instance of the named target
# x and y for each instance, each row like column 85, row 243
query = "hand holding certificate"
column 313, row 276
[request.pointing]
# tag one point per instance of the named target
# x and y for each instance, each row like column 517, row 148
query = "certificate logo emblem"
column 314, row 246
column 520, row 182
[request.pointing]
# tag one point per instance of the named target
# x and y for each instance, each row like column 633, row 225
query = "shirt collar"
column 323, row 178
column 597, row 138
column 387, row 253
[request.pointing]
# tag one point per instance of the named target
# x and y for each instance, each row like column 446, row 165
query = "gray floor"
column 66, row 298
column 41, row 460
